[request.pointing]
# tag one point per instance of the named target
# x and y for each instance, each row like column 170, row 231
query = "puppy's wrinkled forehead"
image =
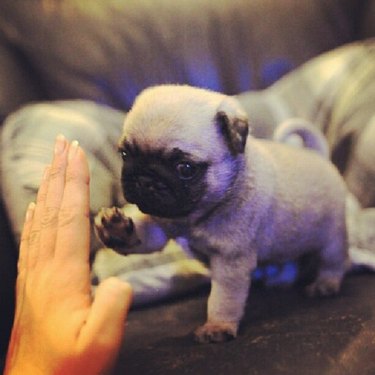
column 171, row 116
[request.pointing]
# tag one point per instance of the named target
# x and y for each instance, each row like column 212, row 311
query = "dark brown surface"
column 283, row 333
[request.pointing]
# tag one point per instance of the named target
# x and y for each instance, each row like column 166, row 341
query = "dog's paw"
column 216, row 332
column 324, row 287
column 115, row 230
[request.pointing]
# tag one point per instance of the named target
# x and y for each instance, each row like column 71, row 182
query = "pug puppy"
column 195, row 174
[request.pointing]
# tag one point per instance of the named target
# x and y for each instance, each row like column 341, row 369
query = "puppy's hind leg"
column 333, row 264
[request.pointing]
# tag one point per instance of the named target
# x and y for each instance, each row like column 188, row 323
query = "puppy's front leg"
column 127, row 230
column 230, row 283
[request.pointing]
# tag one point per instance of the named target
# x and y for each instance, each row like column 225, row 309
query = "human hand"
column 59, row 328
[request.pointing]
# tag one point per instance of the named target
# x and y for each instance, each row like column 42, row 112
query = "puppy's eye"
column 185, row 170
column 123, row 154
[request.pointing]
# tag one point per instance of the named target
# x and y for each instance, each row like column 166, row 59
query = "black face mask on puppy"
column 163, row 184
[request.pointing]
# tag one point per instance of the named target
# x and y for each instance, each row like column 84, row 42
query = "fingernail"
column 60, row 144
column 73, row 149
column 30, row 211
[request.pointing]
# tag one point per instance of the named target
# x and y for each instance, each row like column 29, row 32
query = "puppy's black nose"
column 148, row 183
column 145, row 183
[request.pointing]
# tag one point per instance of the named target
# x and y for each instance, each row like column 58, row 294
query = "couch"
column 57, row 51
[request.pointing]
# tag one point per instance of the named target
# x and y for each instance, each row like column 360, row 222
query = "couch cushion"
column 282, row 332
column 16, row 83
column 336, row 92
column 108, row 51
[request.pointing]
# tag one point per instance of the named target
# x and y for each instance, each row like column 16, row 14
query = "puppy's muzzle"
column 153, row 189
column 155, row 195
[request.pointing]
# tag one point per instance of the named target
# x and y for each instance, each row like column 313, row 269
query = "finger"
column 24, row 244
column 23, row 260
column 24, row 248
column 42, row 191
column 105, row 323
column 73, row 235
column 34, row 230
column 52, row 199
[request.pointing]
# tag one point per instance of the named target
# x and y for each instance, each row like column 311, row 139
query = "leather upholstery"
column 108, row 51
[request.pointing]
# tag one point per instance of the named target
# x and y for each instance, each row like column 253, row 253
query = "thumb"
column 105, row 322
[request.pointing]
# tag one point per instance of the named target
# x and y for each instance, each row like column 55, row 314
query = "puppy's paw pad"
column 323, row 287
column 113, row 219
column 215, row 332
column 115, row 229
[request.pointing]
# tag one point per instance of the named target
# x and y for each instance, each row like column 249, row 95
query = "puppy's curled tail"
column 301, row 133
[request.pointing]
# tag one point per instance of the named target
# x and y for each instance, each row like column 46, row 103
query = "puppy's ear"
column 233, row 124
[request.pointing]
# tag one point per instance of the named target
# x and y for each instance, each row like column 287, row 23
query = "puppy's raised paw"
column 116, row 230
column 216, row 332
